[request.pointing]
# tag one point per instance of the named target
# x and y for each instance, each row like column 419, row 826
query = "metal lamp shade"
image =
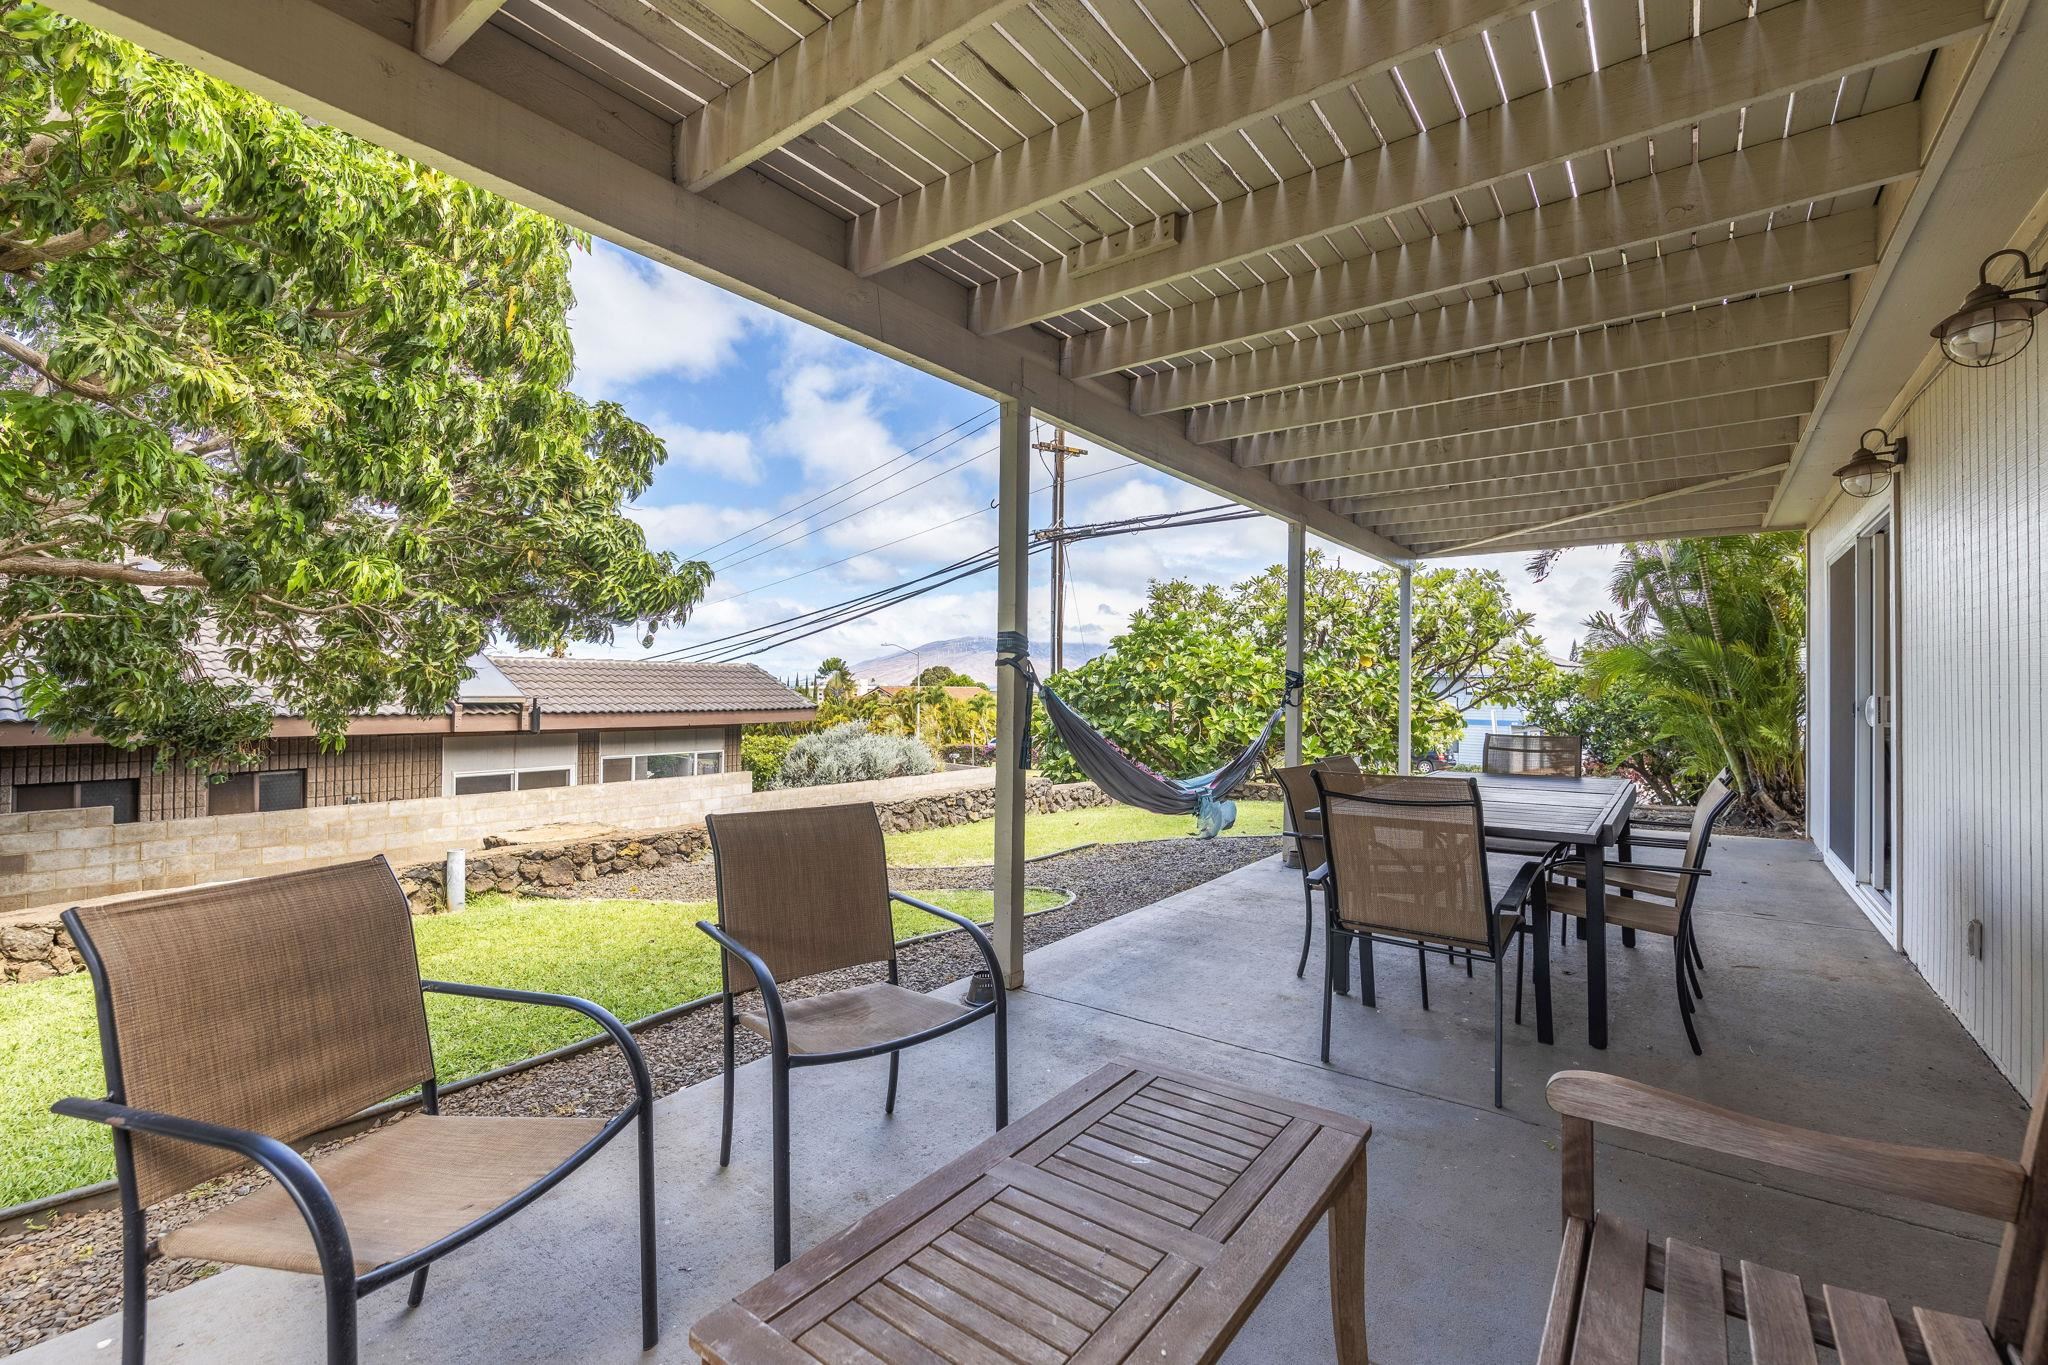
column 1865, row 476
column 1990, row 328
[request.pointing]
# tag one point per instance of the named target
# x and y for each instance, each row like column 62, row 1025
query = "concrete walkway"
column 1809, row 1018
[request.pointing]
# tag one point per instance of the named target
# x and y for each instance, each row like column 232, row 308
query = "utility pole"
column 1058, row 448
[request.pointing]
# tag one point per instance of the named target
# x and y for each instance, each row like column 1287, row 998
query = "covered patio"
column 1809, row 1018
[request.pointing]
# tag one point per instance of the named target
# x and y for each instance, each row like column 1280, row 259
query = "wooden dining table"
column 1589, row 813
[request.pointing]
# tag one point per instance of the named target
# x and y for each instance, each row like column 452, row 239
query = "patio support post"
column 1013, row 720
column 1404, row 729
column 1297, row 568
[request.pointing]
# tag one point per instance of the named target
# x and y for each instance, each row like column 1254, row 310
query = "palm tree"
column 835, row 678
column 1710, row 633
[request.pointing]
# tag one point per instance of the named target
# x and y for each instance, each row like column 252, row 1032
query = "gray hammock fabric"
column 1123, row 777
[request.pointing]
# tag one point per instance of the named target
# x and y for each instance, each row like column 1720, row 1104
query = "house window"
column 244, row 793
column 531, row 779
column 120, row 793
column 640, row 767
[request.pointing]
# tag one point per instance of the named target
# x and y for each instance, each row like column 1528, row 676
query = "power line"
column 803, row 625
column 982, row 417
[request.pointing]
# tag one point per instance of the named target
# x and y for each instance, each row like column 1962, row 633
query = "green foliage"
column 1199, row 668
column 1710, row 634
column 1621, row 731
column 850, row 752
column 265, row 383
column 762, row 755
column 938, row 675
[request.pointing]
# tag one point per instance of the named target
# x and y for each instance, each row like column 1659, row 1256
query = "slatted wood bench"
column 1607, row 1265
column 1139, row 1215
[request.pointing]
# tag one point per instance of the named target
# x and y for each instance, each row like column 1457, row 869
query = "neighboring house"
column 518, row 724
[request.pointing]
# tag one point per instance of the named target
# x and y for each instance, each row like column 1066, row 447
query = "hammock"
column 1123, row 777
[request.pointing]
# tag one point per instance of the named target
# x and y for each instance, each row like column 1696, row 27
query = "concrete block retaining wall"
column 80, row 855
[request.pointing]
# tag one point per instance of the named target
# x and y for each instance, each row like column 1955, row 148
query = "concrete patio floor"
column 1809, row 1018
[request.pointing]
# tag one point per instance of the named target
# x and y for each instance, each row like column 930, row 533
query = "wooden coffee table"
column 1139, row 1215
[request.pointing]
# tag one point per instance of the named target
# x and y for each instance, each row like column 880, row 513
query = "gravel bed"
column 67, row 1272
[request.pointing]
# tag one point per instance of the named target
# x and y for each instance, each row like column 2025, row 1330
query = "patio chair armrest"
column 771, row 997
column 1969, row 1182
column 1652, row 840
column 636, row 1061
column 291, row 1171
column 1518, row 889
column 974, row 931
column 1318, row 876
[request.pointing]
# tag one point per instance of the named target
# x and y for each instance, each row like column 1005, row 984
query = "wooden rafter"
column 1837, row 159
column 1735, row 375
column 1801, row 253
column 1696, row 334
column 1520, row 492
column 1781, row 431
column 1783, row 49
column 1339, row 452
column 864, row 49
column 1318, row 52
column 441, row 27
column 1688, row 491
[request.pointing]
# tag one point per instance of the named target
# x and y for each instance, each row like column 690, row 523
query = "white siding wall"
column 1973, row 697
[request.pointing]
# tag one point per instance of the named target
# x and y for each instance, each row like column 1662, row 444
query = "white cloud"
column 635, row 320
column 729, row 454
column 686, row 527
column 829, row 423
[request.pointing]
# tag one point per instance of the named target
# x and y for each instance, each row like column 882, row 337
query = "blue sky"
column 761, row 412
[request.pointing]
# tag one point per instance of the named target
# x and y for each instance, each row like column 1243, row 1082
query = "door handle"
column 1870, row 710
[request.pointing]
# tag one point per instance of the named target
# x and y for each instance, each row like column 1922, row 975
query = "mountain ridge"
column 974, row 655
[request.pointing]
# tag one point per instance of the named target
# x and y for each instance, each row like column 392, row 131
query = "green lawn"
column 961, row 845
column 633, row 957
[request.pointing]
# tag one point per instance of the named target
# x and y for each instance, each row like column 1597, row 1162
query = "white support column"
column 1013, row 601
column 1405, row 729
column 1297, row 569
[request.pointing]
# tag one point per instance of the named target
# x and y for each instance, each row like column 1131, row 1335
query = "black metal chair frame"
column 1516, row 896
column 1688, row 961
column 783, row 1061
column 296, row 1176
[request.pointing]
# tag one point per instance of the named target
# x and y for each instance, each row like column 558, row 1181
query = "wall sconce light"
column 1870, row 473
column 1995, row 322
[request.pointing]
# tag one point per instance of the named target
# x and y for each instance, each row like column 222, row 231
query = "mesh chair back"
column 281, row 1005
column 1713, row 801
column 1298, row 789
column 1408, row 856
column 808, row 890
column 1534, row 755
column 1339, row 763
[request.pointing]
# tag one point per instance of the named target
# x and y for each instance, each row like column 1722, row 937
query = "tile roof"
column 620, row 686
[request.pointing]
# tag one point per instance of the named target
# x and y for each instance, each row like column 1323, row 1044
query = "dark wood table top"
column 1138, row 1215
column 1558, row 810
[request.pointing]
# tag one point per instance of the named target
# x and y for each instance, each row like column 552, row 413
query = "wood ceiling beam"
column 1338, row 454
column 575, row 160
column 864, row 49
column 1707, row 524
column 1736, row 374
column 1817, row 311
column 1846, row 158
column 1782, row 50
column 1622, row 480
column 1691, row 492
column 441, row 27
column 1475, row 535
column 1780, row 431
column 1799, row 253
column 1318, row 52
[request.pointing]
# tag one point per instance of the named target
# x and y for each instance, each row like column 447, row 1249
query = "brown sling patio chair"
column 1408, row 866
column 1606, row 1264
column 1533, row 755
column 807, row 891
column 1298, row 790
column 1651, row 897
column 238, row 1019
